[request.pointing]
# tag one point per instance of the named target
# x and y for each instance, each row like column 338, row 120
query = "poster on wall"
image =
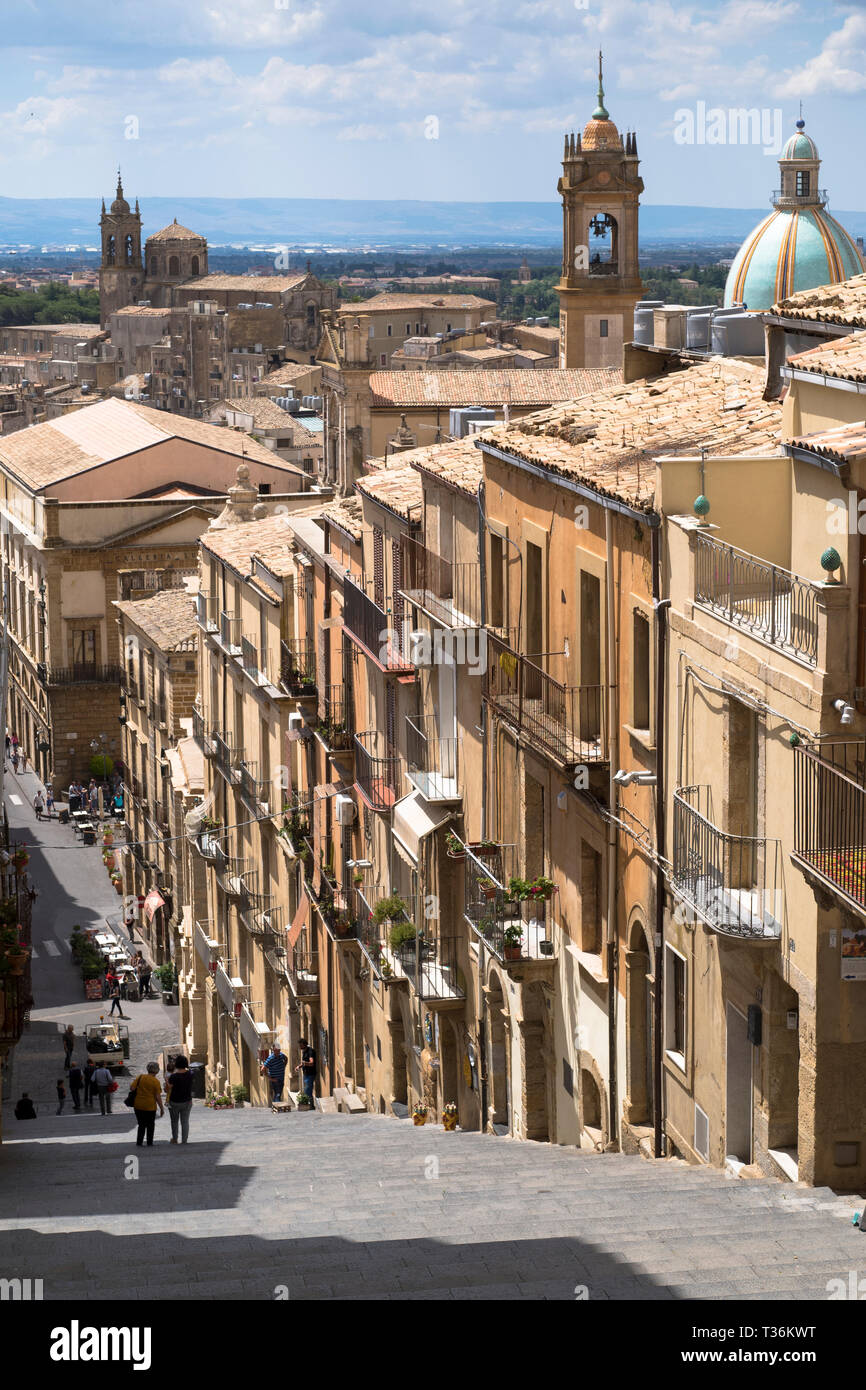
column 854, row 953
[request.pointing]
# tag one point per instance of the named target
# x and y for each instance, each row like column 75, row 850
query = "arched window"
column 173, row 265
column 153, row 265
column 311, row 314
column 127, row 250
column 195, row 270
column 110, row 251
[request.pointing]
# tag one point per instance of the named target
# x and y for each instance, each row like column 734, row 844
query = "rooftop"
column 267, row 415
column 109, row 430
column 456, row 462
column 398, row 489
column 252, row 284
column 608, row 441
column 141, row 311
column 843, row 303
column 489, row 387
column 388, row 300
column 841, row 357
column 175, row 232
column 269, row 537
column 346, row 513
column 167, row 618
column 843, row 444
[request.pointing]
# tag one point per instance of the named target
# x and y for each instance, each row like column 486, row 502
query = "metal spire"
column 600, row 113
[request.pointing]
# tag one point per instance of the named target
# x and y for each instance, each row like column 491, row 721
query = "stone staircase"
column 309, row 1205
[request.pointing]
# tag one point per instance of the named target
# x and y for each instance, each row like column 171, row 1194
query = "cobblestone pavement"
column 315, row 1206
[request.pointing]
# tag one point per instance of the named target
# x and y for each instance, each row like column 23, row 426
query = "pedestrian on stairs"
column 102, row 1081
column 76, row 1081
column 275, row 1066
column 178, row 1089
column 89, row 1083
column 307, row 1068
column 68, row 1045
column 61, row 1096
column 38, row 804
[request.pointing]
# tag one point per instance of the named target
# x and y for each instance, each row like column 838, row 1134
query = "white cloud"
column 839, row 67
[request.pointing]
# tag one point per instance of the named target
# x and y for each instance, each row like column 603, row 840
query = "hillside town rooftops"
column 266, row 415
column 397, row 489
column 388, row 300
column 489, row 387
column 844, row 358
column 844, row 303
column 269, row 537
column 456, row 463
column 252, row 284
column 167, row 618
column 609, row 441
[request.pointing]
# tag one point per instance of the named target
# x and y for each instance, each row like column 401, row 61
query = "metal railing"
column 298, row 666
column 377, row 770
column 226, row 756
column 430, row 964
column 253, row 788
column 202, row 609
column 302, row 967
column 86, row 673
column 336, row 726
column 383, row 634
column 830, row 815
column 230, row 632
column 448, row 591
column 566, row 722
column 433, row 763
column 733, row 882
column 512, row 929
column 772, row 604
column 157, row 712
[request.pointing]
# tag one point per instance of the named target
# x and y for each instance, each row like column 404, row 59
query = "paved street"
column 366, row 1207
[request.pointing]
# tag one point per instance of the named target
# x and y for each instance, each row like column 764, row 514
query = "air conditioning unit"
column 344, row 810
column 420, row 648
column 296, row 723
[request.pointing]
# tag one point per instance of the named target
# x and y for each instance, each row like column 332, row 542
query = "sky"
column 421, row 99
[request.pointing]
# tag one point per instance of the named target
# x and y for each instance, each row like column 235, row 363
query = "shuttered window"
column 378, row 567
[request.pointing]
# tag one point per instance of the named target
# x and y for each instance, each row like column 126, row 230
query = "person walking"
column 144, row 975
column 24, row 1110
column 275, row 1067
column 89, row 1086
column 8, row 745
column 23, row 759
column 49, row 802
column 68, row 1045
column 115, row 999
column 178, row 1090
column 14, row 759
column 39, row 805
column 61, row 1096
column 76, row 1081
column 103, row 1082
column 148, row 1095
column 307, row 1068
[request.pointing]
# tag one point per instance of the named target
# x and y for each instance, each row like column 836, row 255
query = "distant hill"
column 354, row 223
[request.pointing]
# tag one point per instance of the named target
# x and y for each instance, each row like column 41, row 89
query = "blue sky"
column 333, row 98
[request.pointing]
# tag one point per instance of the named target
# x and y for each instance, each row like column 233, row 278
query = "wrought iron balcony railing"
column 227, row 757
column 565, row 722
column 302, row 967
column 377, row 770
column 204, row 607
column 383, row 634
column 254, row 789
column 768, row 602
column 298, row 666
column 230, row 632
column 830, row 816
column 511, row 928
column 85, row 673
column 336, row 726
column 449, row 592
column 733, row 882
column 433, row 763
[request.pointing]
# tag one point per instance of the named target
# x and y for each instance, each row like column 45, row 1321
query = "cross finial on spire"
column 600, row 113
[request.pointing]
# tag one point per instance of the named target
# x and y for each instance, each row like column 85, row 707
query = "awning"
column 153, row 900
column 298, row 921
column 413, row 822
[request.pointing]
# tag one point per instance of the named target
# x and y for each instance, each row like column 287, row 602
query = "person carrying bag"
column 146, row 1093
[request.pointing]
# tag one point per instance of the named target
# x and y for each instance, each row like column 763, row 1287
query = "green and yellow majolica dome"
column 799, row 246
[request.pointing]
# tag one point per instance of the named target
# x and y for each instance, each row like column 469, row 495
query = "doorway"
column 738, row 1088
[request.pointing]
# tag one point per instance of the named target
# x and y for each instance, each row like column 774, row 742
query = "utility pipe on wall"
column 613, row 792
column 661, row 606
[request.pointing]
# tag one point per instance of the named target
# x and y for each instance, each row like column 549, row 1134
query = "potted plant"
column 449, row 1115
column 402, row 938
column 488, row 889
column 239, row 1095
column 304, row 1102
column 167, row 976
column 358, row 879
column 419, row 1114
column 512, row 938
column 454, row 846
column 20, row 858
column 388, row 908
column 385, row 968
column 13, row 956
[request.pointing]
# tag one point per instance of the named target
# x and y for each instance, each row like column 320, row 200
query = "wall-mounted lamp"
column 640, row 779
column 844, row 710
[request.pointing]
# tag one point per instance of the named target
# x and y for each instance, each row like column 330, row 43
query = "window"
column 497, row 581
column 264, row 488
column 389, row 330
column 802, row 183
column 173, row 265
column 153, row 265
column 590, row 899
column 311, row 315
column 383, row 359
column 602, row 328
column 640, row 671
column 84, row 646
column 447, row 328
column 110, row 252
column 128, row 250
column 195, row 265
column 408, row 329
column 378, row 567
column 675, row 1006
column 417, row 326
column 567, row 1078
column 534, row 598
column 372, row 330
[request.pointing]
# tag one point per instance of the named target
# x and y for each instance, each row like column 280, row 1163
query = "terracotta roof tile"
column 387, row 300
column 456, row 462
column 841, row 445
column 167, row 618
column 488, row 387
column 254, row 284
column 609, row 440
column 346, row 513
column 841, row 357
column 269, row 537
column 398, row 489
column 842, row 303
column 175, row 232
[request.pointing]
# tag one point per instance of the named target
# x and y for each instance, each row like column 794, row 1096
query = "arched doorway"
column 448, row 1076
column 639, row 1027
column 591, row 1108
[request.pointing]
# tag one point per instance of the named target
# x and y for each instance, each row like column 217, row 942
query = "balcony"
column 512, row 929
column 229, row 987
column 204, row 736
column 230, row 632
column 733, row 882
column 450, row 593
column 430, row 964
column 302, row 968
column 381, row 634
column 254, row 666
column 298, row 667
column 377, row 770
column 207, row 948
column 85, row 673
column 830, row 817
column 203, row 604
column 157, row 713
column 255, row 1031
column 565, row 722
column 226, row 757
column 336, row 727
column 433, row 763
column 771, row 604
column 255, row 790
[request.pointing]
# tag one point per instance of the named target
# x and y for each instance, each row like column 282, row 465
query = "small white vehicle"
column 104, row 1043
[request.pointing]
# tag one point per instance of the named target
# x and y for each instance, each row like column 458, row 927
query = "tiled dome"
column 792, row 249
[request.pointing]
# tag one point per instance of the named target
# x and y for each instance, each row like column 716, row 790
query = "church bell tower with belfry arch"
column 121, row 272
column 600, row 283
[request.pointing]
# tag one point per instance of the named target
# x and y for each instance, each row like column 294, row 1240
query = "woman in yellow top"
column 148, row 1095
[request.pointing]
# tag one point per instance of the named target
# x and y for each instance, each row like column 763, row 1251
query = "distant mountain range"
column 317, row 222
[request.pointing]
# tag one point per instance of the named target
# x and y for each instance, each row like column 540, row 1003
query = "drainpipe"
column 661, row 606
column 479, row 1010
column 613, row 791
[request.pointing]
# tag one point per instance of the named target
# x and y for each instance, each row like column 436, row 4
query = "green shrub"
column 401, row 934
column 388, row 908
column 101, row 765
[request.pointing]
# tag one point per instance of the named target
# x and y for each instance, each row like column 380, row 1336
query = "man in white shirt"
column 102, row 1080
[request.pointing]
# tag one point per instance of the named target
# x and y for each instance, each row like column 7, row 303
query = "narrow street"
column 73, row 889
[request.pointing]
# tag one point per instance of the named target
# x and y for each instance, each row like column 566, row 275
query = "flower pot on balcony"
column 545, row 948
column 15, row 960
column 512, row 952
column 449, row 1121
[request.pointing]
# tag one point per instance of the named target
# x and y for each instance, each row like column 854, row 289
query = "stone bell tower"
column 600, row 283
column 121, row 273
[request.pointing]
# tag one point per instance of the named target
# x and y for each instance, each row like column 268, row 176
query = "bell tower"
column 600, row 282
column 121, row 273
